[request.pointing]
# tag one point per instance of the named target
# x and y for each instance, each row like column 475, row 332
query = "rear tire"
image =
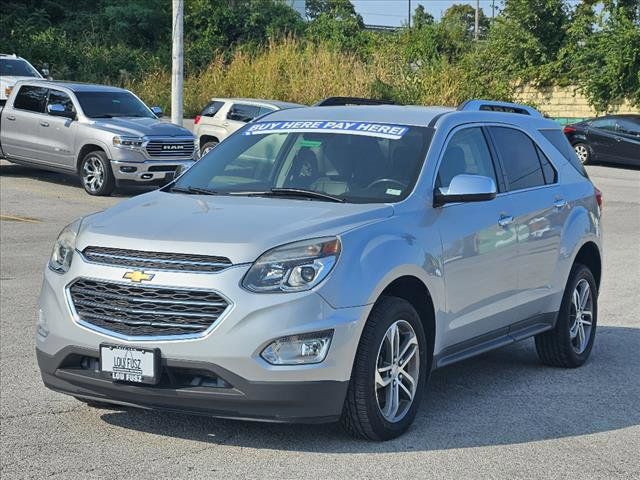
column 584, row 153
column 96, row 174
column 207, row 147
column 373, row 410
column 569, row 344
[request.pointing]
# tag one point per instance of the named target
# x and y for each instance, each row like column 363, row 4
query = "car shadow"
column 22, row 171
column 502, row 397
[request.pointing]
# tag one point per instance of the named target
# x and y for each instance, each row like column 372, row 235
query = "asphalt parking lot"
column 501, row 415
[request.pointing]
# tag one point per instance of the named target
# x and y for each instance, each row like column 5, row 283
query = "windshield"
column 112, row 104
column 17, row 68
column 355, row 162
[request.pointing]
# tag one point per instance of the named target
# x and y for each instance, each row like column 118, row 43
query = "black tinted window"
column 243, row 113
column 31, row 98
column 212, row 108
column 560, row 141
column 604, row 124
column 550, row 175
column 265, row 110
column 57, row 97
column 467, row 152
column 629, row 126
column 519, row 158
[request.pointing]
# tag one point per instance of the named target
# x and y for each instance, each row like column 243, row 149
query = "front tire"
column 389, row 373
column 96, row 174
column 583, row 152
column 207, row 147
column 569, row 344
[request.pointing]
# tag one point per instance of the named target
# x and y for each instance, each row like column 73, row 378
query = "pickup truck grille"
column 170, row 148
column 135, row 311
column 182, row 262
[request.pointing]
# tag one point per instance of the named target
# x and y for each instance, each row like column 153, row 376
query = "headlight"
column 293, row 267
column 64, row 247
column 298, row 349
column 127, row 142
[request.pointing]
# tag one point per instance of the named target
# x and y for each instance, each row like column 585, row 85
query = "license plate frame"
column 136, row 365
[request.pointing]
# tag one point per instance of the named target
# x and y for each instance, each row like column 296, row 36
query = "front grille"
column 137, row 311
column 170, row 148
column 182, row 262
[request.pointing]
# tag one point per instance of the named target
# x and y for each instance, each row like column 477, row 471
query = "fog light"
column 298, row 349
column 146, row 176
column 128, row 169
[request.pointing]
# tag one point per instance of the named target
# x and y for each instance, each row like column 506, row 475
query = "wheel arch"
column 414, row 291
column 589, row 255
column 86, row 149
column 204, row 139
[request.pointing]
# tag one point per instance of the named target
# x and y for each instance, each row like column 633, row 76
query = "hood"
column 139, row 127
column 240, row 228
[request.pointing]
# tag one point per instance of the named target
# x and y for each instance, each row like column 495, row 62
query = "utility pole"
column 493, row 9
column 177, row 62
column 409, row 15
column 477, row 24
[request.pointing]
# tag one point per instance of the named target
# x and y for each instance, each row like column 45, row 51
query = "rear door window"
column 241, row 112
column 519, row 158
column 30, row 98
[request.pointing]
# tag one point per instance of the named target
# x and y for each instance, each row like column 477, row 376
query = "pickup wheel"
column 569, row 343
column 389, row 372
column 96, row 174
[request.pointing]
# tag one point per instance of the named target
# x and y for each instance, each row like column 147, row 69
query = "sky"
column 394, row 12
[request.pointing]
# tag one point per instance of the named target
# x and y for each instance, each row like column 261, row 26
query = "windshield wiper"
column 299, row 192
column 195, row 191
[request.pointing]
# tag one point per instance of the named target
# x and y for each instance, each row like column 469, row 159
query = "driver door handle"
column 505, row 220
column 11, row 117
column 44, row 124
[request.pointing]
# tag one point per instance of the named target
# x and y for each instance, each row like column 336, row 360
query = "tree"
column 336, row 23
column 462, row 16
column 422, row 18
column 335, row 9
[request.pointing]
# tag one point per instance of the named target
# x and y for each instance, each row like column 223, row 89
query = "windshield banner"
column 393, row 132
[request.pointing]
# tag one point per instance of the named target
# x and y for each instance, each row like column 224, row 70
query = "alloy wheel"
column 582, row 152
column 581, row 316
column 93, row 174
column 397, row 371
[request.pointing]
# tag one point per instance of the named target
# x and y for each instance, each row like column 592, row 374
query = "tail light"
column 569, row 129
column 598, row 194
column 196, row 120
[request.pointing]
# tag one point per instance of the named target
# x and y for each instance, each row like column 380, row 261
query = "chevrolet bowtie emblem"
column 138, row 276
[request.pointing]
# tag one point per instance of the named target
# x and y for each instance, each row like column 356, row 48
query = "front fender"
column 375, row 255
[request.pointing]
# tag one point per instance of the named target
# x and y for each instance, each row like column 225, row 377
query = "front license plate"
column 129, row 364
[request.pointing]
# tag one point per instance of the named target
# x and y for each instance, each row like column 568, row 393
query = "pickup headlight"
column 293, row 267
column 127, row 142
column 65, row 245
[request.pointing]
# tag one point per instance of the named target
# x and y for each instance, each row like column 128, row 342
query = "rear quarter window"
column 212, row 108
column 560, row 141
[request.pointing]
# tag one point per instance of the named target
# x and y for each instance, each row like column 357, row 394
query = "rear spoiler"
column 345, row 101
column 494, row 106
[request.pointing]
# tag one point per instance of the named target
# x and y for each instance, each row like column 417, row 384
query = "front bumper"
column 299, row 402
column 230, row 350
column 148, row 172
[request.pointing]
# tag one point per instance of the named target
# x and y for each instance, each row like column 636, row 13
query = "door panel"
column 629, row 145
column 57, row 134
column 602, row 138
column 19, row 123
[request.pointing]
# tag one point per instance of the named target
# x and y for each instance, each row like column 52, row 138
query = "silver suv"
column 317, row 265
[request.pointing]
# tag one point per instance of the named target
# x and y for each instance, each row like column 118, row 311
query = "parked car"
column 609, row 139
column 223, row 116
column 324, row 277
column 12, row 69
column 106, row 135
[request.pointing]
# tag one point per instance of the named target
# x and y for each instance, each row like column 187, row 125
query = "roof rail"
column 342, row 101
column 494, row 106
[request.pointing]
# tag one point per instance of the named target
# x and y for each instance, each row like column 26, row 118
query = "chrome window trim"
column 150, row 338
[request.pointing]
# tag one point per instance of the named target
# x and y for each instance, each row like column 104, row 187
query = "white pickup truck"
column 106, row 135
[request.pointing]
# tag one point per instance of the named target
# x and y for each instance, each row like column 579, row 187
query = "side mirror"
column 157, row 111
column 466, row 188
column 58, row 110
